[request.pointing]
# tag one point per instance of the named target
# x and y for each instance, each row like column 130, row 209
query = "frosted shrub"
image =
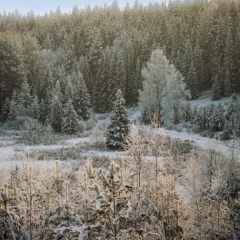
column 21, row 123
column 90, row 123
column 38, row 134
column 81, row 126
column 97, row 137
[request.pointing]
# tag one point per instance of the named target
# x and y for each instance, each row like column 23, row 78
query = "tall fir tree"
column 5, row 110
column 228, row 65
column 81, row 98
column 118, row 128
column 232, row 124
column 35, row 108
column 70, row 119
column 24, row 99
column 192, row 81
column 56, row 114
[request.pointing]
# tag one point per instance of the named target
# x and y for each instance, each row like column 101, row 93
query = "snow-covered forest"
column 103, row 115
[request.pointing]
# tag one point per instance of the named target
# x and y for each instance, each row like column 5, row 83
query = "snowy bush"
column 21, row 123
column 81, row 126
column 97, row 137
column 90, row 123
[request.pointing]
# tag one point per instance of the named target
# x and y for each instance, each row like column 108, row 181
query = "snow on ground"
column 75, row 141
column 203, row 142
column 205, row 99
column 11, row 153
column 108, row 154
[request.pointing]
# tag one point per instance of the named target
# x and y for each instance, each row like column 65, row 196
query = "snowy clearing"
column 225, row 147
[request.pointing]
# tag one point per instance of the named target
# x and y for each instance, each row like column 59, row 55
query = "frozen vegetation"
column 121, row 123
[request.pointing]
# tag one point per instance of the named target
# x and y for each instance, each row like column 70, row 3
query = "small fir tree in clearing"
column 70, row 119
column 118, row 128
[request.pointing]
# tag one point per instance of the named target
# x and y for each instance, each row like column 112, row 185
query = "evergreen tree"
column 81, row 100
column 192, row 81
column 56, row 114
column 70, row 119
column 11, row 73
column 12, row 110
column 35, row 108
column 24, row 99
column 118, row 128
column 228, row 65
column 217, row 85
column 5, row 110
column 232, row 123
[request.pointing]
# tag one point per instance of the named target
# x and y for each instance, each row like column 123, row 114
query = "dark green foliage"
column 5, row 110
column 118, row 128
column 70, row 120
column 35, row 108
column 81, row 97
column 10, row 72
column 210, row 118
column 110, row 47
column 232, row 124
column 56, row 114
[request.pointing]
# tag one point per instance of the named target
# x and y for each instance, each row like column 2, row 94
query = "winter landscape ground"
column 170, row 154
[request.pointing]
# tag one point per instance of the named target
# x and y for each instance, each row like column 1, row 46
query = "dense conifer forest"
column 100, row 50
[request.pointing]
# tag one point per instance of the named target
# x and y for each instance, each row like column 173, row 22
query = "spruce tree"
column 24, row 99
column 35, row 108
column 5, row 110
column 56, row 114
column 232, row 123
column 70, row 119
column 118, row 128
column 12, row 110
column 81, row 100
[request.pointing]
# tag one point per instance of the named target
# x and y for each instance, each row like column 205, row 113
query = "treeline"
column 109, row 46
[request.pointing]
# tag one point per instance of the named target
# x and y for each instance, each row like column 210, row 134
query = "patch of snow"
column 74, row 141
column 203, row 142
column 205, row 100
column 109, row 154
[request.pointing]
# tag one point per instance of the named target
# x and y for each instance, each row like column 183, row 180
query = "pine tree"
column 118, row 128
column 56, row 114
column 70, row 119
column 35, row 108
column 24, row 99
column 12, row 110
column 217, row 85
column 228, row 65
column 5, row 110
column 192, row 81
column 81, row 99
column 232, row 123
